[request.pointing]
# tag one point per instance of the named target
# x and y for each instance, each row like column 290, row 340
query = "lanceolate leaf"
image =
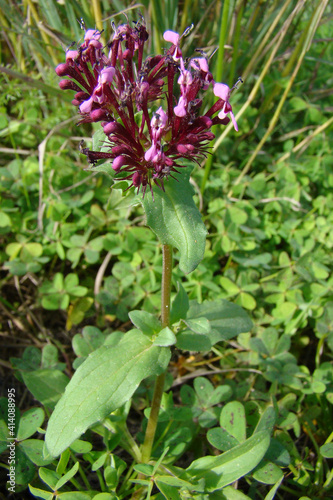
column 179, row 306
column 219, row 471
column 226, row 319
column 146, row 322
column 175, row 219
column 103, row 383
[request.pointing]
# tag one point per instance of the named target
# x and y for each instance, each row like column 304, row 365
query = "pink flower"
column 222, row 91
column 92, row 35
column 105, row 76
column 173, row 37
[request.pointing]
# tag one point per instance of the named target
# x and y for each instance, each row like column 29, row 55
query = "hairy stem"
column 159, row 383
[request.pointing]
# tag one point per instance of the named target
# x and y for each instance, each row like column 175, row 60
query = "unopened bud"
column 119, row 162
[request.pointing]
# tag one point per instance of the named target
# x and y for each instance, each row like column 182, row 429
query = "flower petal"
column 222, row 91
column 171, row 36
column 86, row 106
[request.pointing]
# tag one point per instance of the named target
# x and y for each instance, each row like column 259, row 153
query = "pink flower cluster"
column 148, row 128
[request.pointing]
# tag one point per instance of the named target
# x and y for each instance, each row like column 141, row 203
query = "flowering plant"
column 149, row 132
column 145, row 144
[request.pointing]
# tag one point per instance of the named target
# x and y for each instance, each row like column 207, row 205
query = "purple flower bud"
column 118, row 150
column 97, row 115
column 69, row 85
column 79, row 97
column 137, row 179
column 62, row 69
column 119, row 162
column 113, row 128
column 181, row 148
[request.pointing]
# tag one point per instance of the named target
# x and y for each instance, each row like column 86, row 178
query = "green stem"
column 166, row 284
column 159, row 383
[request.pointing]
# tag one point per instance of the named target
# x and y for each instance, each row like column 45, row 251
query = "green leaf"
column 64, row 479
column 236, row 215
column 284, row 311
column 229, row 286
column 233, row 420
column 50, row 357
column 247, row 301
column 327, row 450
column 5, row 220
column 49, row 477
column 111, row 477
column 34, row 249
column 165, row 338
column 221, row 439
column 104, row 496
column 169, row 492
column 103, row 383
column 33, row 449
column 267, row 473
column 278, row 454
column 63, row 461
column 24, row 468
column 46, row 385
column 80, row 446
column 189, row 341
column 78, row 310
column 146, row 469
column 79, row 495
column 45, row 495
column 229, row 493
column 220, row 393
column 29, row 422
column 180, row 305
column 267, row 420
column 146, row 322
column 176, row 221
column 226, row 319
column 90, row 339
column 4, row 434
column 58, row 282
column 55, row 301
column 174, row 481
column 21, row 268
column 224, row 469
column 204, row 389
column 198, row 325
column 13, row 249
column 271, row 494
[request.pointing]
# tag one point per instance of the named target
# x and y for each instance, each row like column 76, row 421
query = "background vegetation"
column 75, row 257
